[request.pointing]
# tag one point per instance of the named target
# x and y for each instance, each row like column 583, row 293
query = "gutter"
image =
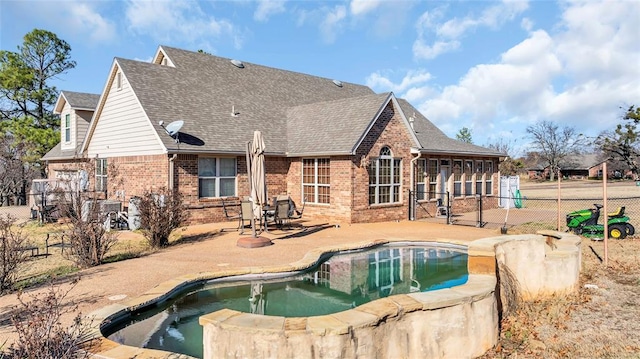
column 171, row 171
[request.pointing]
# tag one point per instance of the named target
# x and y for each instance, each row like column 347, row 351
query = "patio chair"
column 281, row 215
column 294, row 213
column 232, row 212
column 246, row 213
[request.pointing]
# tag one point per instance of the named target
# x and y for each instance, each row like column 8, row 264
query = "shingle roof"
column 56, row 153
column 331, row 126
column 298, row 114
column 432, row 139
column 81, row 100
column 202, row 90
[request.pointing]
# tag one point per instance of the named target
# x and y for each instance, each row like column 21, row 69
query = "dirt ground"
column 602, row 320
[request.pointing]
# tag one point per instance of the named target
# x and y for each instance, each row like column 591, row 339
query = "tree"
column 510, row 166
column 464, row 135
column 555, row 144
column 623, row 144
column 24, row 77
column 27, row 123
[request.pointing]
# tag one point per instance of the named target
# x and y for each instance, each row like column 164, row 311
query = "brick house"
column 75, row 110
column 583, row 166
column 354, row 155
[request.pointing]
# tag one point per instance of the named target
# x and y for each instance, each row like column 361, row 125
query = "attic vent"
column 237, row 63
column 337, row 83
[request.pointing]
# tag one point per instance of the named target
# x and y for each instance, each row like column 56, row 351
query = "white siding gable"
column 122, row 127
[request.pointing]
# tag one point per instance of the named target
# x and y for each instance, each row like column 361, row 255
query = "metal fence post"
column 449, row 208
column 412, row 206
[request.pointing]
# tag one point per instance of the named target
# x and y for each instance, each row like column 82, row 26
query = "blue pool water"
column 339, row 282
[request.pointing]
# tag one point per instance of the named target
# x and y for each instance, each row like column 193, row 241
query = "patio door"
column 445, row 172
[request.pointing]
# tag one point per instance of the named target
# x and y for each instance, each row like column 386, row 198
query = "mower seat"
column 618, row 213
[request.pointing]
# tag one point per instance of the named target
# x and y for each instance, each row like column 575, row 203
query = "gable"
column 331, row 127
column 120, row 126
column 388, row 129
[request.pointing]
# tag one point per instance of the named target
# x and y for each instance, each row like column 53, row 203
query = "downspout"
column 412, row 185
column 171, row 171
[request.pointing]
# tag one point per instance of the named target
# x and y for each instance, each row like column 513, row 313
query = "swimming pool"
column 338, row 282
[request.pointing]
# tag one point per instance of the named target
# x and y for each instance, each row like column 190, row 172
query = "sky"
column 495, row 67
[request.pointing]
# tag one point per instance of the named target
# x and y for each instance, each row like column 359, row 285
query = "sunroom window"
column 488, row 169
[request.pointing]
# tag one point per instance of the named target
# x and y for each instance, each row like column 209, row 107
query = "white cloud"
column 359, row 7
column 148, row 59
column 448, row 34
column 578, row 75
column 332, row 23
column 267, row 8
column 411, row 79
column 79, row 20
column 86, row 19
column 423, row 51
column 526, row 24
column 170, row 21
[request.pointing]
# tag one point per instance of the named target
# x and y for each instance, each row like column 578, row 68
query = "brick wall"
column 389, row 131
column 339, row 209
column 207, row 210
column 134, row 175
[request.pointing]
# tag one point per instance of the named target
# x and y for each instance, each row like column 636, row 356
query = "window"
column 479, row 168
column 119, row 81
column 433, row 171
column 216, row 177
column 384, row 178
column 468, row 177
column 421, row 173
column 488, row 169
column 457, row 178
column 316, row 180
column 67, row 128
column 385, row 270
column 101, row 174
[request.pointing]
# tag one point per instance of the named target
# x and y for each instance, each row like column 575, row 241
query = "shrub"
column 12, row 241
column 41, row 334
column 161, row 212
column 89, row 237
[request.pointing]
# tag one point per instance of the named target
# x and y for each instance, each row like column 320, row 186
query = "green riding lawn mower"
column 585, row 222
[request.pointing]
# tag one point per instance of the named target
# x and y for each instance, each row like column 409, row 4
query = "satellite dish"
column 174, row 127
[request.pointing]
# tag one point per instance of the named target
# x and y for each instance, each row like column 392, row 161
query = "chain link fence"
column 540, row 210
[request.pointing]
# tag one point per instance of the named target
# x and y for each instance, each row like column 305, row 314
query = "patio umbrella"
column 257, row 176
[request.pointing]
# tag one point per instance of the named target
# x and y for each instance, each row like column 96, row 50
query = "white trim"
column 315, row 184
column 156, row 58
